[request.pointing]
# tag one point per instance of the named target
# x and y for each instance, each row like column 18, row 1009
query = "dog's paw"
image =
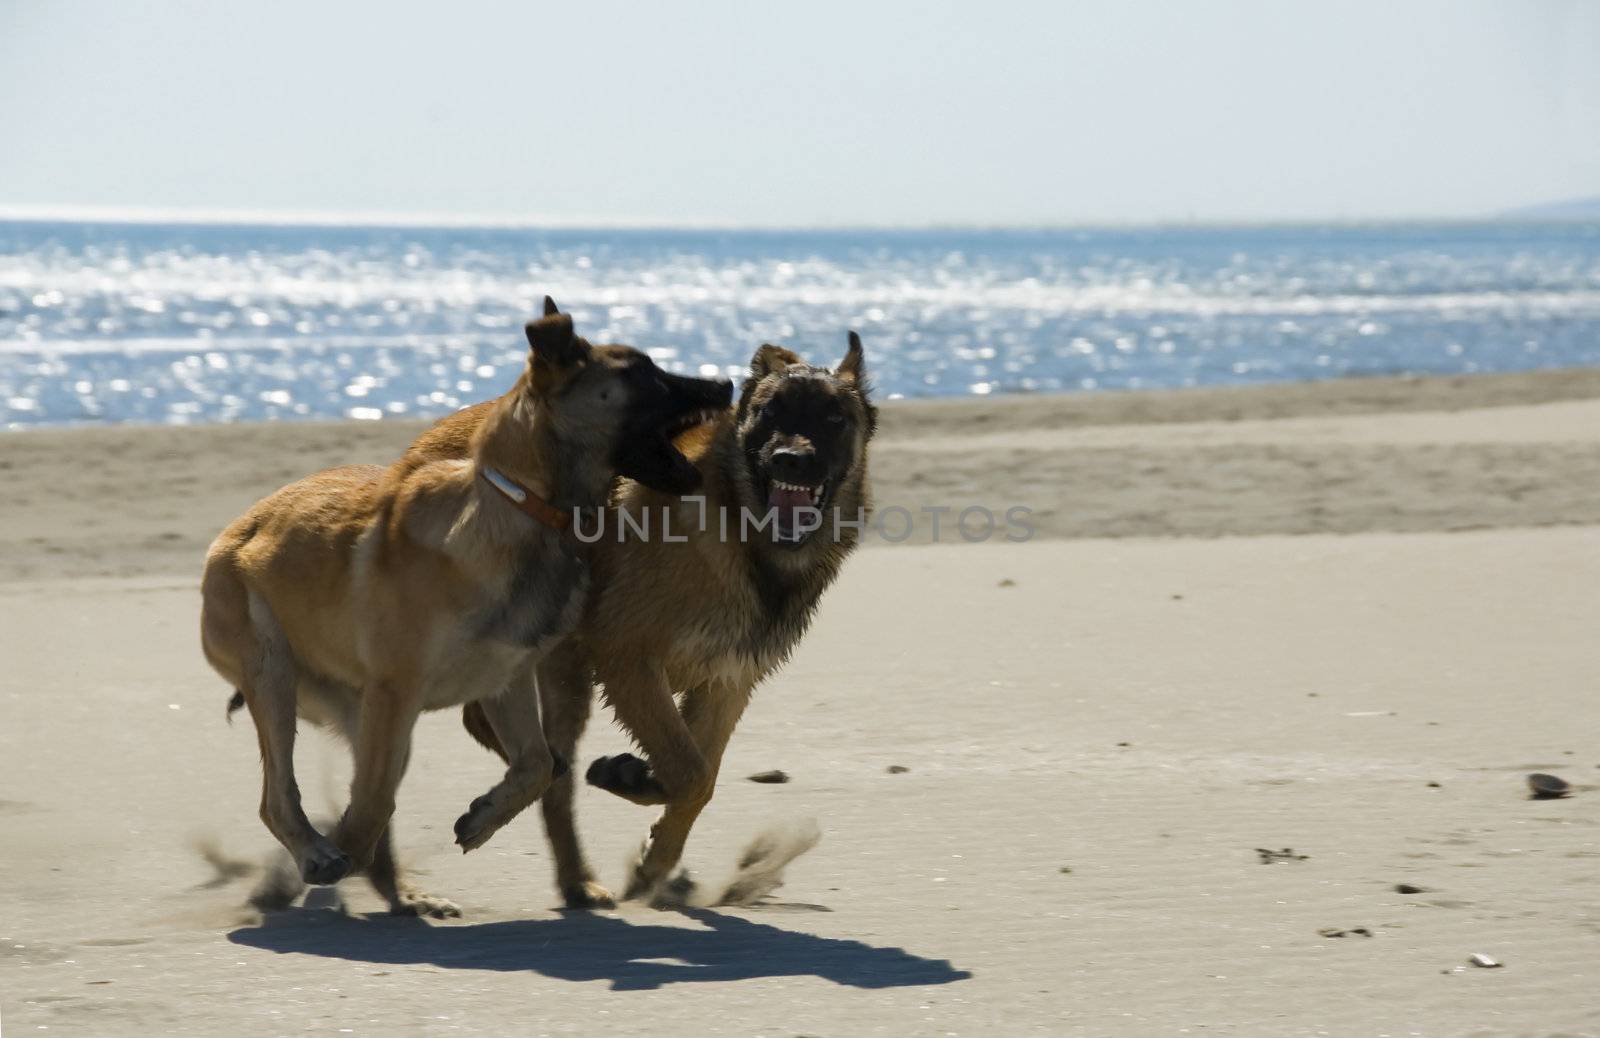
column 643, row 879
column 679, row 892
column 641, row 885
column 628, row 777
column 586, row 896
column 509, row 798
column 417, row 903
column 482, row 820
column 324, row 864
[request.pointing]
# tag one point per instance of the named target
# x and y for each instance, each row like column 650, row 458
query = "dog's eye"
column 836, row 418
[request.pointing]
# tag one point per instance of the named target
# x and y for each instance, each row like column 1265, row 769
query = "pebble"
column 1485, row 961
column 1548, row 787
column 773, row 777
column 1287, row 854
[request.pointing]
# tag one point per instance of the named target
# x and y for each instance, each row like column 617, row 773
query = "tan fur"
column 679, row 634
column 361, row 596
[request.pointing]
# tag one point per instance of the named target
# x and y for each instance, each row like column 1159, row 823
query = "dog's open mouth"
column 646, row 451
column 675, row 427
column 797, row 510
column 681, row 424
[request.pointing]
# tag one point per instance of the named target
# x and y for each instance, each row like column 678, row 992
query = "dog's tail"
column 235, row 704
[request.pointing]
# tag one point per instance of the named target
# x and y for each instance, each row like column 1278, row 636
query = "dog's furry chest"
column 542, row 598
column 537, row 605
column 740, row 643
column 466, row 669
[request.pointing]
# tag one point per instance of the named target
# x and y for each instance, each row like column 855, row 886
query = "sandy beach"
column 1339, row 621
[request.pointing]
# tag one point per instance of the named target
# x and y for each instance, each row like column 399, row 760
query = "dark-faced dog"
column 679, row 633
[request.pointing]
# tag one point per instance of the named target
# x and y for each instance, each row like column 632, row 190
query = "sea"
column 188, row 323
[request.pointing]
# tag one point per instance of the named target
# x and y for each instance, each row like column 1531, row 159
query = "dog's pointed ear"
column 550, row 309
column 552, row 342
column 853, row 367
column 771, row 360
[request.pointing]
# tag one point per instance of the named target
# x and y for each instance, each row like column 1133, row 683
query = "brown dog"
column 361, row 596
column 706, row 619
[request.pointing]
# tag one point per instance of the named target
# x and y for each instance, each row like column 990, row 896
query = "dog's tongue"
column 787, row 502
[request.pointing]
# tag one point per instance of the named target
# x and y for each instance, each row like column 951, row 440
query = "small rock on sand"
column 1485, row 961
column 773, row 777
column 1548, row 787
column 898, row 769
column 1269, row 857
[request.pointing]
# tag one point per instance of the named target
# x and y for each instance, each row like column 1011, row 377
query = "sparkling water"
column 181, row 323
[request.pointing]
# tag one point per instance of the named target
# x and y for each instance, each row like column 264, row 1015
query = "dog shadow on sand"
column 581, row 946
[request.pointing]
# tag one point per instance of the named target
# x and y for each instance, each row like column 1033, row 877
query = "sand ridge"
column 1382, row 454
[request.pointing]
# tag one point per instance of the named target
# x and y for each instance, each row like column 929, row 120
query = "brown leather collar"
column 525, row 500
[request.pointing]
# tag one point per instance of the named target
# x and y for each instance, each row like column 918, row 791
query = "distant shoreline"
column 1344, row 395
column 136, row 216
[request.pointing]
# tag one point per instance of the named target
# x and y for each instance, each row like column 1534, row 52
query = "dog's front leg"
column 642, row 701
column 685, row 752
column 513, row 713
column 711, row 712
column 403, row 898
column 389, row 711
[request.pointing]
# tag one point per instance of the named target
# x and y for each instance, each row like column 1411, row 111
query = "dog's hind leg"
column 513, row 714
column 270, row 694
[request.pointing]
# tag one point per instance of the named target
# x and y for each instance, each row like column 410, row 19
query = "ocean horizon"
column 191, row 322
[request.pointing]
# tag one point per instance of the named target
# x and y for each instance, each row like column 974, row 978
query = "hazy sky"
column 804, row 113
